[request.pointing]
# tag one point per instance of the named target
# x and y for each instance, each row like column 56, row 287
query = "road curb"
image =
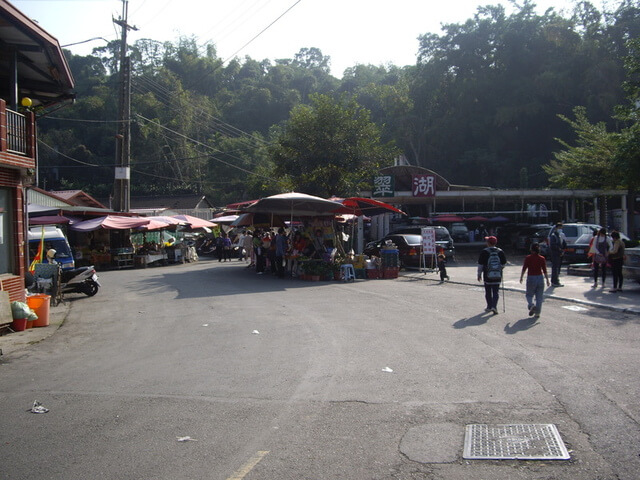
column 635, row 311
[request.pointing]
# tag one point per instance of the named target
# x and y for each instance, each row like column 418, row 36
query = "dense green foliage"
column 329, row 148
column 603, row 158
column 483, row 105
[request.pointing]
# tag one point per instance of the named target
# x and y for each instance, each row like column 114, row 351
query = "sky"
column 351, row 32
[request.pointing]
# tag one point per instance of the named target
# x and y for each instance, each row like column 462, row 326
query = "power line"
column 83, row 120
column 67, row 156
column 204, row 145
column 86, row 164
column 167, row 95
column 262, row 31
column 85, row 41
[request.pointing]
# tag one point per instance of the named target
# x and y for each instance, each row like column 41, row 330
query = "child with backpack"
column 490, row 264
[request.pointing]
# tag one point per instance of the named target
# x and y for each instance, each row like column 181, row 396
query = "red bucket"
column 19, row 324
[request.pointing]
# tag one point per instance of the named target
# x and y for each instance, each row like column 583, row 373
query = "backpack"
column 494, row 266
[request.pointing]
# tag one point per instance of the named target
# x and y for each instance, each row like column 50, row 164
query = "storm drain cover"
column 521, row 442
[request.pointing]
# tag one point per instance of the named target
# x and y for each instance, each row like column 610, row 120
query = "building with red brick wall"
column 34, row 79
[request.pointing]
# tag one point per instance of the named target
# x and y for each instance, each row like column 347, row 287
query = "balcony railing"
column 17, row 137
column 16, row 132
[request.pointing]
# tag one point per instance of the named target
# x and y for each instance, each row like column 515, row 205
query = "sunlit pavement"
column 576, row 288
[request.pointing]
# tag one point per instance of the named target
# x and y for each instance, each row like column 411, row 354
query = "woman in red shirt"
column 536, row 265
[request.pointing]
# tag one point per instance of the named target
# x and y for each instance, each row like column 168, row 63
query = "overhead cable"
column 204, row 145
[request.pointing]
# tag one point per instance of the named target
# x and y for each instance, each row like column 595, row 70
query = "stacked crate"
column 390, row 262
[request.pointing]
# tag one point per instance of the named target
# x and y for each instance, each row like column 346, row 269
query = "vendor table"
column 101, row 260
column 155, row 257
column 123, row 260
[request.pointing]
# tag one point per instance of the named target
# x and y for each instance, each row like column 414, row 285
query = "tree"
column 588, row 164
column 330, row 147
column 604, row 159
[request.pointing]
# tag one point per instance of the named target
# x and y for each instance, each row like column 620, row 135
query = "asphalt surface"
column 305, row 380
column 576, row 289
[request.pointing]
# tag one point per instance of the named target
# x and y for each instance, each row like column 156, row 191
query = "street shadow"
column 474, row 321
column 208, row 279
column 521, row 325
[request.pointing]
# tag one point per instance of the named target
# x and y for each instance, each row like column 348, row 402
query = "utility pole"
column 122, row 172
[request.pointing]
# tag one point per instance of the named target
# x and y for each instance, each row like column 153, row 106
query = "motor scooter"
column 80, row 280
column 206, row 246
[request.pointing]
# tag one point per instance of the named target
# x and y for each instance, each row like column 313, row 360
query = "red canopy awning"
column 477, row 218
column 448, row 219
column 240, row 205
column 364, row 206
column 195, row 222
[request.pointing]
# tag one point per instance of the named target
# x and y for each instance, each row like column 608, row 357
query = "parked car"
column 443, row 237
column 409, row 249
column 573, row 231
column 534, row 233
column 631, row 267
column 508, row 234
column 577, row 252
column 459, row 233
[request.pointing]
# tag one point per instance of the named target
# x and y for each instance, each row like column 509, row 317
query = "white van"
column 53, row 238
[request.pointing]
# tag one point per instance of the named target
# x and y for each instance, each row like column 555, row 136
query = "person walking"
column 600, row 248
column 226, row 247
column 219, row 247
column 490, row 265
column 259, row 253
column 536, row 267
column 616, row 259
column 282, row 245
column 557, row 244
column 247, row 247
column 442, row 266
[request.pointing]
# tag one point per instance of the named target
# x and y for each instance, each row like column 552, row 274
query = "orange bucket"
column 39, row 303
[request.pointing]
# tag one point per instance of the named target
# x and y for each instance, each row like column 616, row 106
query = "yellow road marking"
column 247, row 467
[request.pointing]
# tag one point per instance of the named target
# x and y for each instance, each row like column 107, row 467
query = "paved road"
column 286, row 379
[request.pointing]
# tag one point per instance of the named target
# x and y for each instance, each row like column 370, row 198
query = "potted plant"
column 312, row 270
column 335, row 268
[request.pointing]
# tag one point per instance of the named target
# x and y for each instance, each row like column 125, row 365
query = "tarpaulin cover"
column 50, row 220
column 110, row 223
column 195, row 222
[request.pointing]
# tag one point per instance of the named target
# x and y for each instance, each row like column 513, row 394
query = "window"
column 570, row 231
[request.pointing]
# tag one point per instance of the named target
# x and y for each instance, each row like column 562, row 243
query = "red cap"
column 491, row 240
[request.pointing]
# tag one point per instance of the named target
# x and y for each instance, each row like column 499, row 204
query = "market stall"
column 320, row 253
column 105, row 241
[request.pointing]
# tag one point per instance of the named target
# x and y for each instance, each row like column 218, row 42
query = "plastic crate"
column 390, row 272
column 390, row 258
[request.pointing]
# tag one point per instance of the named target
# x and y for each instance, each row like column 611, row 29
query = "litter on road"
column 575, row 308
column 38, row 408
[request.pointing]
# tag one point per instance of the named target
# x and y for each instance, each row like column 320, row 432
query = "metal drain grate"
column 522, row 442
